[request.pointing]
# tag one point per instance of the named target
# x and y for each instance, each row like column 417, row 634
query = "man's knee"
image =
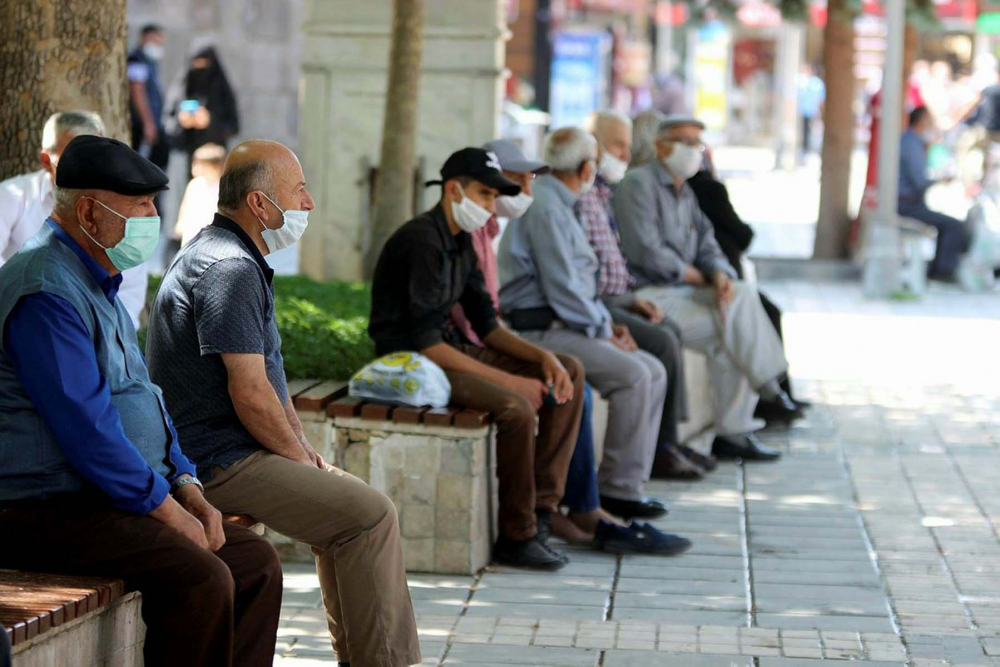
column 213, row 580
column 515, row 412
column 574, row 367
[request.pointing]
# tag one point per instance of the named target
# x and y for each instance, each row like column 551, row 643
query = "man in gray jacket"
column 673, row 253
column 548, row 293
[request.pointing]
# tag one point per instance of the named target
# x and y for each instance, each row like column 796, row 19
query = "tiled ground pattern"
column 874, row 540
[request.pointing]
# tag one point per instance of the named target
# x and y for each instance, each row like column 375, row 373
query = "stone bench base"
column 112, row 636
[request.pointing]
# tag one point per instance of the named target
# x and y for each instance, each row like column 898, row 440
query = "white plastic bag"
column 405, row 378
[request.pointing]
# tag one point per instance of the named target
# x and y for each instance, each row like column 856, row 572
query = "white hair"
column 64, row 200
column 644, row 131
column 569, row 147
column 598, row 121
column 73, row 122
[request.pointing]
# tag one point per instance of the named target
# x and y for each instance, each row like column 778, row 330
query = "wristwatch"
column 184, row 480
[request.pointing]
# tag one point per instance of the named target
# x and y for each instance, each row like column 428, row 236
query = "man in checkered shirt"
column 644, row 319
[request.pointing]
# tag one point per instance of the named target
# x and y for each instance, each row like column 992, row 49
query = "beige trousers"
column 354, row 534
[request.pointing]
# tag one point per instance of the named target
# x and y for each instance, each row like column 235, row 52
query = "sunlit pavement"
column 873, row 540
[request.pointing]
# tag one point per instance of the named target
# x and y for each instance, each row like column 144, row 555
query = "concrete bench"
column 62, row 621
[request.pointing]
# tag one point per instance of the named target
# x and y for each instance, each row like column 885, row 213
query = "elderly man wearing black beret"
column 92, row 478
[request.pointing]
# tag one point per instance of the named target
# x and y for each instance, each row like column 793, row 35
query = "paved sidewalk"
column 874, row 540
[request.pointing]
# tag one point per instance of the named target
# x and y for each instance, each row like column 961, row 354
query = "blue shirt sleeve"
column 52, row 353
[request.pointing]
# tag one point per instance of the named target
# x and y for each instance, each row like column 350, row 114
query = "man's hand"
column 556, row 377
column 622, row 338
column 532, row 389
column 190, row 498
column 693, row 276
column 723, row 285
column 149, row 133
column 316, row 459
column 648, row 309
column 172, row 514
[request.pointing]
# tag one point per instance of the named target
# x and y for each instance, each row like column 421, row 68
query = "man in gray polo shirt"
column 214, row 348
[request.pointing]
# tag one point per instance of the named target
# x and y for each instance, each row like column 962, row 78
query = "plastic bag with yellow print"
column 406, row 378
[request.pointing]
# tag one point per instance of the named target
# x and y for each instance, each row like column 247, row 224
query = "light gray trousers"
column 743, row 349
column 635, row 385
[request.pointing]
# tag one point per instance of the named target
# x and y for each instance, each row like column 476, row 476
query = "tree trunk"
column 838, row 133
column 394, row 185
column 58, row 55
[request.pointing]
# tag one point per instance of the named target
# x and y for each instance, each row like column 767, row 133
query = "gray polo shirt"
column 216, row 298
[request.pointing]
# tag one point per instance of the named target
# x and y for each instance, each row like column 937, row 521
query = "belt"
column 531, row 319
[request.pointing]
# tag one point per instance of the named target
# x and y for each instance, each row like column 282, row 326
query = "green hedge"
column 323, row 326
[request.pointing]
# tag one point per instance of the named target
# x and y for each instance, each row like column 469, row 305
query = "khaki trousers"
column 744, row 351
column 354, row 534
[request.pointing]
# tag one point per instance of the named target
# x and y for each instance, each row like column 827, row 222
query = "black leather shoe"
column 647, row 508
column 781, row 408
column 638, row 538
column 532, row 553
column 746, row 447
column 672, row 464
column 708, row 463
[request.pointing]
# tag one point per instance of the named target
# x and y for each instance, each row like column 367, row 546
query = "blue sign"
column 579, row 76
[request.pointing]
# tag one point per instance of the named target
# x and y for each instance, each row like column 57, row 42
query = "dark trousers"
column 531, row 469
column 952, row 238
column 664, row 343
column 582, row 495
column 807, row 135
column 200, row 608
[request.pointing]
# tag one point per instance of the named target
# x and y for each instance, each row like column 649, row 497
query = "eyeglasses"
column 696, row 144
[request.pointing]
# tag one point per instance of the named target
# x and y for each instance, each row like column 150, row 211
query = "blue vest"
column 32, row 464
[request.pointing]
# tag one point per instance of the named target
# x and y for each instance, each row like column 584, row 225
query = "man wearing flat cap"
column 678, row 264
column 92, row 477
column 426, row 267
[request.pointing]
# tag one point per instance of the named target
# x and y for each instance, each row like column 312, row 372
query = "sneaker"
column 638, row 538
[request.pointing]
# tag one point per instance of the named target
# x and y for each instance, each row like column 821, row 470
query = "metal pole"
column 882, row 262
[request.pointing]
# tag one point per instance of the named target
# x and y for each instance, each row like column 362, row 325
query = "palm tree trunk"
column 58, row 55
column 394, row 185
column 838, row 133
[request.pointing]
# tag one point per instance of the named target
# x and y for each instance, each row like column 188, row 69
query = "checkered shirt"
column 613, row 277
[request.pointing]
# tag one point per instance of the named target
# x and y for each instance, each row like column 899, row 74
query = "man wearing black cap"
column 92, row 479
column 426, row 267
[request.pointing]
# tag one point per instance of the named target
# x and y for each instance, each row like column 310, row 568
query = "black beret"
column 99, row 163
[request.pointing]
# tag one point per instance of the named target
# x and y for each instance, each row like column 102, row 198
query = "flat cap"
column 679, row 119
column 100, row 163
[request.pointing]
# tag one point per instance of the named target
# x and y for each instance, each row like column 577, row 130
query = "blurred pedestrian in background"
column 201, row 197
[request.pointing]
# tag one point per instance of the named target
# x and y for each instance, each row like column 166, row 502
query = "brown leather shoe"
column 671, row 464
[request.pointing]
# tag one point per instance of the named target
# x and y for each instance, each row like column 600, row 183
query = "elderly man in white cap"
column 673, row 253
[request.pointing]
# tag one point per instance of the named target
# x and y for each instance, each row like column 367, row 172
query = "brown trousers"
column 531, row 470
column 201, row 608
column 354, row 534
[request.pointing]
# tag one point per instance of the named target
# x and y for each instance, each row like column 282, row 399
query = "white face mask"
column 683, row 162
column 587, row 186
column 154, row 52
column 469, row 216
column 294, row 224
column 611, row 168
column 513, row 207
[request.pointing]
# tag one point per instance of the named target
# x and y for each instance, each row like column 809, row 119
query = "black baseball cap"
column 100, row 163
column 479, row 164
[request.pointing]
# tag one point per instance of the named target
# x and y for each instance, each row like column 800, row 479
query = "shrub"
column 323, row 326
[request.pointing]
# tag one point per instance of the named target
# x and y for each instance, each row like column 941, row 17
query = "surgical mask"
column 683, row 162
column 154, row 52
column 611, row 168
column 588, row 185
column 137, row 245
column 294, row 224
column 469, row 216
column 513, row 207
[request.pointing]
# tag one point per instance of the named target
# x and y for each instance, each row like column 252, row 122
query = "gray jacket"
column 545, row 259
column 663, row 230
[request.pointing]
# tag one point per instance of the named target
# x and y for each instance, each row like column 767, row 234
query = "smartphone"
column 189, row 106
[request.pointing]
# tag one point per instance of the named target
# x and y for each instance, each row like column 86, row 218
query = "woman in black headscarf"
column 215, row 118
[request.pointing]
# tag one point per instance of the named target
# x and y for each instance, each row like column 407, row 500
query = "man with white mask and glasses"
column 214, row 347
column 678, row 264
column 535, row 397
column 548, row 292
